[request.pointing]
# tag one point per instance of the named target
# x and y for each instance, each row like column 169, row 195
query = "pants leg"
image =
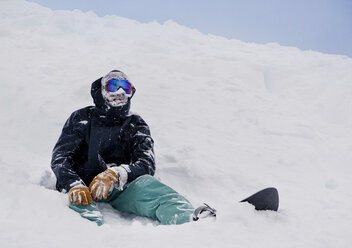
column 148, row 197
column 89, row 212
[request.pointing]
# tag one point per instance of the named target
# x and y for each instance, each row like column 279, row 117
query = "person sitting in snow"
column 105, row 154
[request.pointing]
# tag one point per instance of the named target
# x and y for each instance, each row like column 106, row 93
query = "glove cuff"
column 76, row 183
column 122, row 176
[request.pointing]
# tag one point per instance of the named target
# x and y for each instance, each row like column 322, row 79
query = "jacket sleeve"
column 143, row 161
column 62, row 162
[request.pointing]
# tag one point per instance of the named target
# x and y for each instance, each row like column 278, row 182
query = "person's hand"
column 102, row 184
column 79, row 194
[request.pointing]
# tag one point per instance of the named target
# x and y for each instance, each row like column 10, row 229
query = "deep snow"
column 228, row 118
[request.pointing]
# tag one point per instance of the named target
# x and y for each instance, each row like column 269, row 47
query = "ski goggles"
column 114, row 85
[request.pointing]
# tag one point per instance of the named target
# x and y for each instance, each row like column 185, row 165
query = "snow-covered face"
column 117, row 98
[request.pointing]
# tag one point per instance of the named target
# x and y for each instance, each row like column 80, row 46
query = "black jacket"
column 98, row 135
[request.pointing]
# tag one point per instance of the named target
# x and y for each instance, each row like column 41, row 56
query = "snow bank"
column 228, row 118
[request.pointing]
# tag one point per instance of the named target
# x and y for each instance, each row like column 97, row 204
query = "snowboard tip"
column 266, row 199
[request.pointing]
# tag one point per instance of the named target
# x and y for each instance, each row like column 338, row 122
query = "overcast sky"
column 320, row 25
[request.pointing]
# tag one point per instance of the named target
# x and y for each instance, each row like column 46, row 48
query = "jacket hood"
column 106, row 112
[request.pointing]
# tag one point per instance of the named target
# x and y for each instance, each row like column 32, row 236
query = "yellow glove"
column 102, row 184
column 80, row 194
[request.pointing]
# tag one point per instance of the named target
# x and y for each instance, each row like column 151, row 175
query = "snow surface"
column 228, row 118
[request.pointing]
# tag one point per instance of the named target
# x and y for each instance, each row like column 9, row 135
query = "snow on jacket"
column 95, row 137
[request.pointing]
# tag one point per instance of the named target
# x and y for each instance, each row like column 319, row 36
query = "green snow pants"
column 145, row 196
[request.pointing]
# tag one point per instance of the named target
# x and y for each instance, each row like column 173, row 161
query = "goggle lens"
column 114, row 85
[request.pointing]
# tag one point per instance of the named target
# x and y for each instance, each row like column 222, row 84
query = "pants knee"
column 143, row 181
column 145, row 177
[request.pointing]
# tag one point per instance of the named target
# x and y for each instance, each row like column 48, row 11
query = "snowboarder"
column 105, row 154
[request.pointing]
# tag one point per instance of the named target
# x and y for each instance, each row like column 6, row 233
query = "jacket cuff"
column 121, row 171
column 72, row 184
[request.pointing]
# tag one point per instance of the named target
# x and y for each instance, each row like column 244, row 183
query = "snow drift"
column 228, row 118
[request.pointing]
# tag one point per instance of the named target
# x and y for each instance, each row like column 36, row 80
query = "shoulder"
column 135, row 126
column 82, row 114
column 79, row 117
column 136, row 120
